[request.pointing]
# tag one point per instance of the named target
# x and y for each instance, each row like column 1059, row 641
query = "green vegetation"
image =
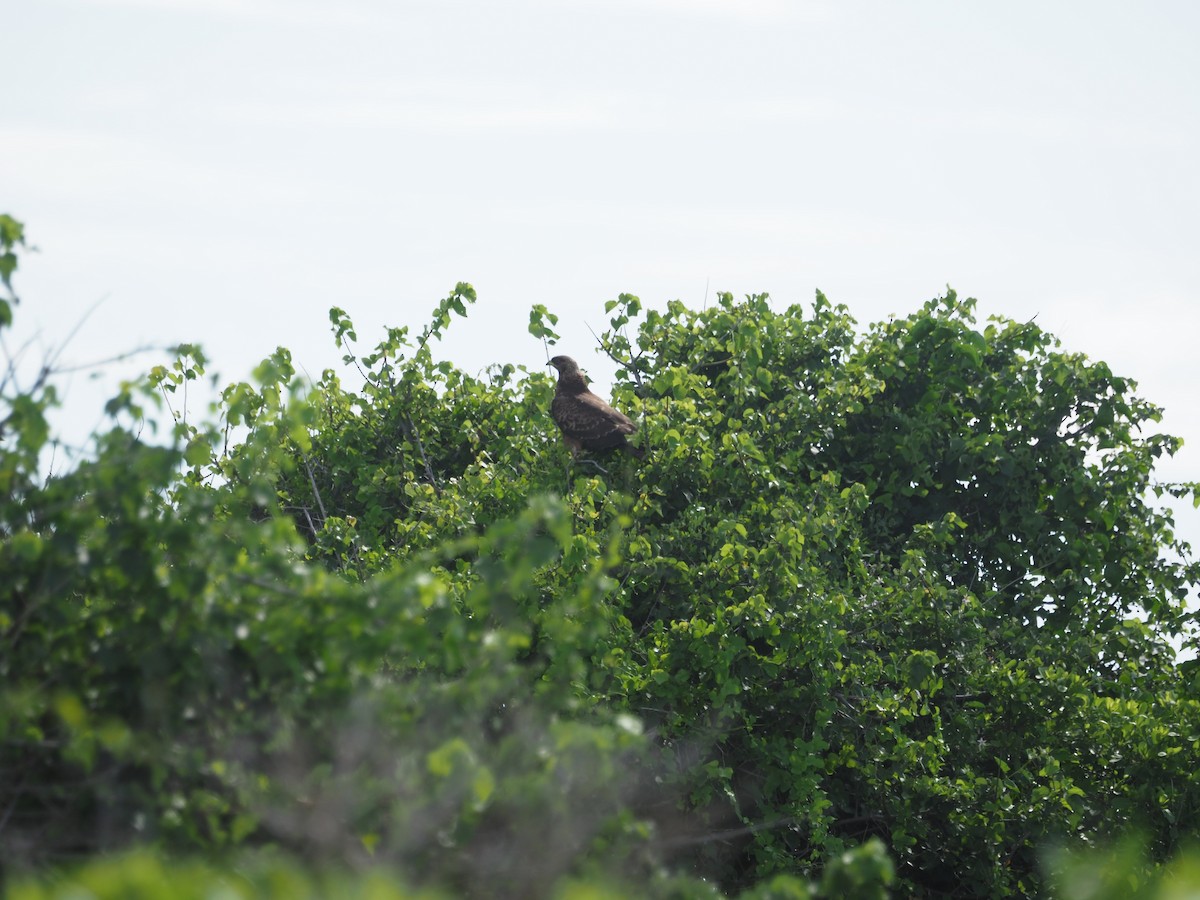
column 881, row 610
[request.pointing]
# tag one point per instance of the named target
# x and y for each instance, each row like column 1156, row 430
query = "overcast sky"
column 224, row 171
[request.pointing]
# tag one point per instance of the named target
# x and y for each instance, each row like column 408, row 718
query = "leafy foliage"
column 880, row 609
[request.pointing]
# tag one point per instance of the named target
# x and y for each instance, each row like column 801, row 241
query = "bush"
column 876, row 609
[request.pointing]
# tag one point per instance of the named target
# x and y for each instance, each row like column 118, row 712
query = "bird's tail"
column 636, row 452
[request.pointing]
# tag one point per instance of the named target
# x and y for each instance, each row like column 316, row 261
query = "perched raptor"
column 586, row 421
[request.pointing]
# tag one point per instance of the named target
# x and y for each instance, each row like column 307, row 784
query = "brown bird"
column 586, row 421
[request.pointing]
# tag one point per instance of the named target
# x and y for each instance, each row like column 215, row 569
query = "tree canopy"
column 881, row 608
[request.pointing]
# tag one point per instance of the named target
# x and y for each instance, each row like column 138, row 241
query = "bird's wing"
column 615, row 417
column 588, row 419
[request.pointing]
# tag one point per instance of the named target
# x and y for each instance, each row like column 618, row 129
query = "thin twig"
column 727, row 834
column 316, row 493
column 14, row 359
column 75, row 330
column 629, row 365
column 411, row 432
column 95, row 364
column 594, row 464
column 162, row 390
column 50, row 467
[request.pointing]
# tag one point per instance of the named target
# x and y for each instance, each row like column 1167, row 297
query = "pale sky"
column 224, row 171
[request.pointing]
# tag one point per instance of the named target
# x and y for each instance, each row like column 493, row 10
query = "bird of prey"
column 586, row 421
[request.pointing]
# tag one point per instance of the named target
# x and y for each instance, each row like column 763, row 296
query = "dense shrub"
column 894, row 599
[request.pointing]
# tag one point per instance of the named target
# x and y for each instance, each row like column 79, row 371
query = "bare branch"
column 410, row 431
column 96, row 364
column 726, row 835
column 629, row 365
column 50, row 363
column 316, row 493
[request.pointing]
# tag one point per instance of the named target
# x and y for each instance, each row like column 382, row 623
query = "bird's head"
column 564, row 364
column 570, row 379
